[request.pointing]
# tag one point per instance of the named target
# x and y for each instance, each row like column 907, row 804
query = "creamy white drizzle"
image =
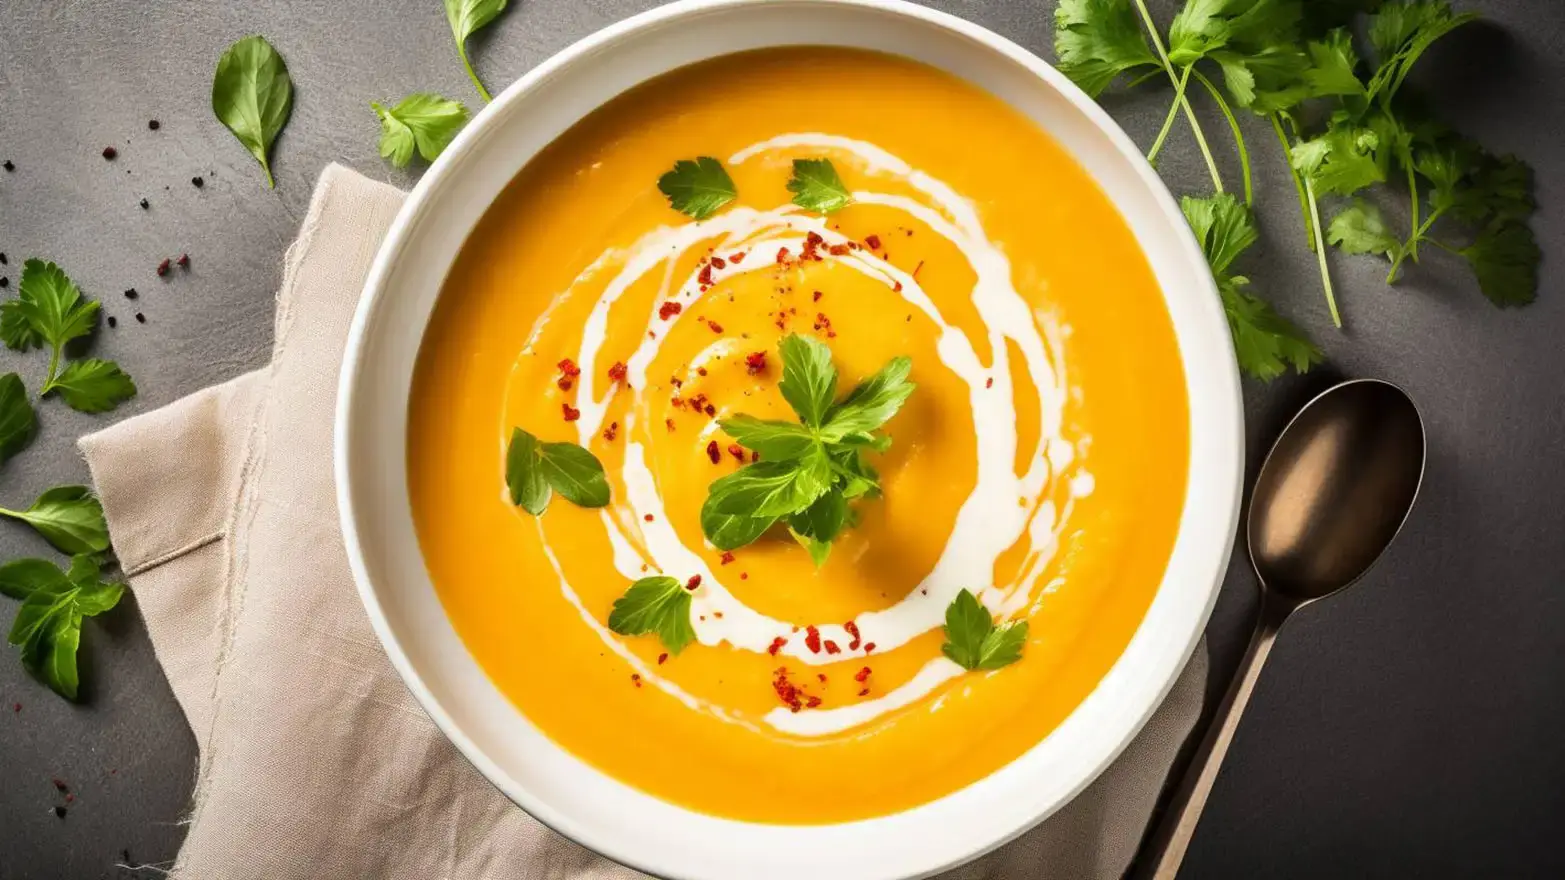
column 989, row 521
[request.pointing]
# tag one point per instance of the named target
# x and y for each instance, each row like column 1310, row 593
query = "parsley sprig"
column 50, row 311
column 422, row 120
column 973, row 641
column 1343, row 123
column 657, row 604
column 810, row 469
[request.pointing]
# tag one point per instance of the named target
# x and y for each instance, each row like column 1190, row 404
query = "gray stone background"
column 1409, row 727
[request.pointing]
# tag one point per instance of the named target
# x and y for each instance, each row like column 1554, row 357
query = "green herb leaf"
column 972, row 639
column 1361, row 229
column 820, row 523
column 524, row 473
column 1265, row 344
column 1505, row 258
column 1095, row 41
column 816, row 186
column 771, row 488
column 657, row 604
column 872, row 402
column 575, row 473
column 252, row 95
column 466, row 17
column 1401, row 32
column 69, row 517
column 775, row 440
column 18, row 422
column 15, row 331
column 48, row 623
column 809, row 379
column 697, row 189
column 52, row 305
column 729, row 531
column 1341, row 161
column 92, row 385
column 423, row 120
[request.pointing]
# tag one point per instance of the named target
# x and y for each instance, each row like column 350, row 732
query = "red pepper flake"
column 705, row 278
column 989, row 382
column 816, row 296
column 896, row 287
column 824, row 323
column 698, row 402
column 864, row 693
column 611, row 431
column 716, row 327
column 568, row 373
column 821, row 676
column 812, row 702
column 700, row 371
column 669, row 424
column 727, row 557
column 831, row 647
column 812, row 639
column 693, row 583
column 163, row 268
column 872, row 242
column 755, row 455
column 70, row 798
column 918, row 267
column 776, row 645
column 676, row 382
column 782, row 253
column 669, row 309
column 719, row 263
column 648, row 517
column 736, row 257
column 109, row 153
column 861, row 675
column 812, row 244
column 183, row 261
column 838, row 250
column 617, row 372
column 571, row 412
column 60, row 786
column 662, row 658
column 635, row 679
column 712, row 452
column 787, row 691
column 736, row 451
column 755, row 362
column 868, row 647
column 853, row 630
column 744, row 575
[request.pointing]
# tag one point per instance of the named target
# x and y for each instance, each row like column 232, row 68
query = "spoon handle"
column 1167, row 848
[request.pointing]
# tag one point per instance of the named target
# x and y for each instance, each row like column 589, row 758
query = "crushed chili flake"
column 669, row 424
column 776, row 645
column 163, row 268
column 736, row 257
column 716, row 327
column 872, row 241
column 669, row 309
column 812, row 639
column 700, row 371
column 635, row 679
column 719, row 263
column 816, row 296
column 611, row 431
column 838, row 250
column 60, row 786
column 727, row 557
column 786, row 690
column 782, row 253
column 736, row 451
column 896, row 287
column 755, row 362
column 812, row 702
column 755, row 455
column 861, row 675
column 868, row 647
column 662, row 658
column 568, row 368
column 183, row 261
column 831, row 647
column 824, row 323
column 571, row 413
column 712, row 452
column 853, row 630
column 648, row 517
column 705, row 278
column 864, row 693
column 617, row 371
column 676, row 382
column 744, row 575
column 989, row 382
column 693, row 583
column 821, row 676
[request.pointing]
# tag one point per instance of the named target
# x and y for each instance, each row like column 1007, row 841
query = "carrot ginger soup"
column 800, row 437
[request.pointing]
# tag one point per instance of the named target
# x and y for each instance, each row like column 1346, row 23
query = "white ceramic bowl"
column 545, row 780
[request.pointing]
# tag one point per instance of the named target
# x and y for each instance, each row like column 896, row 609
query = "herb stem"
column 1183, row 100
column 1411, row 246
column 54, row 366
column 1298, row 182
column 1173, row 112
column 1320, row 253
column 461, row 50
column 1412, row 188
column 1233, row 124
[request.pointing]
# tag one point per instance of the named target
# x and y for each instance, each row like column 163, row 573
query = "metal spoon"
column 1333, row 492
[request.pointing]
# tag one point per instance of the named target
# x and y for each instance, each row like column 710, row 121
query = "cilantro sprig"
column 973, row 641
column 423, row 121
column 810, row 469
column 47, row 629
column 657, row 604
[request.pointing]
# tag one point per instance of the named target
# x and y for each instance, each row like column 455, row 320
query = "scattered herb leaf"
column 466, row 17
column 972, row 639
column 422, row 120
column 47, row 628
column 18, row 422
column 657, row 604
column 252, row 95
column 816, row 186
column 533, row 468
column 69, row 517
column 92, row 385
column 697, row 188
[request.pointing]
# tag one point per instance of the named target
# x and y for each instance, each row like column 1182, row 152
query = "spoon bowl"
column 1336, row 489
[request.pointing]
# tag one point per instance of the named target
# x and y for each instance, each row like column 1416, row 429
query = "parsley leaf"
column 817, row 525
column 534, row 470
column 729, row 531
column 1341, row 161
column 972, row 639
column 809, row 379
column 1265, row 344
column 1361, row 229
column 18, row 422
column 1505, row 258
column 467, row 16
column 872, row 402
column 772, row 438
column 423, row 120
column 52, row 306
column 1095, row 41
column 92, row 385
column 1401, row 32
column 69, row 517
column 816, row 186
column 772, row 488
column 47, row 628
column 657, row 604
column 252, row 95
column 697, row 188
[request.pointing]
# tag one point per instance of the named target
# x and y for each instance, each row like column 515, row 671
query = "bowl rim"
column 1225, row 386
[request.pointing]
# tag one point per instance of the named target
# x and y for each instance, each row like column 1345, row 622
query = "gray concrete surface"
column 1410, row 727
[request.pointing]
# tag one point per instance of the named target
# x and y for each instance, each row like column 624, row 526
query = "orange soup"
column 832, row 213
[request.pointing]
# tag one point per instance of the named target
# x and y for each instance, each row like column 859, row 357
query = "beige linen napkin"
column 315, row 762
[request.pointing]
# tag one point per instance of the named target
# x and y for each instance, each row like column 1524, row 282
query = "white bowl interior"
column 547, row 781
